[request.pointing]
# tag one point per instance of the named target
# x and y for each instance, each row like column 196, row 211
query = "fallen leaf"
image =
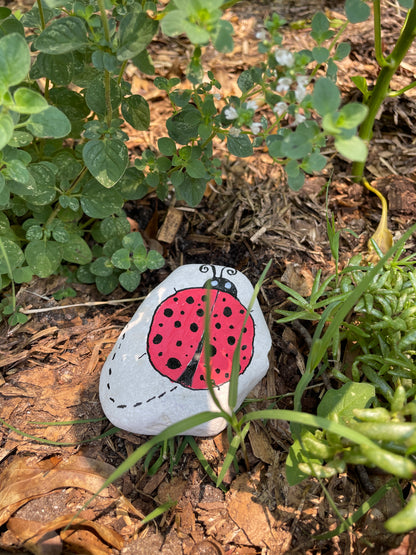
column 256, row 521
column 27, row 478
column 260, row 445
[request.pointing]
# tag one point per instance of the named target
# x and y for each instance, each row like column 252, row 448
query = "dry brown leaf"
column 255, row 520
column 25, row 529
column 260, row 445
column 84, row 541
column 46, row 542
column 299, row 278
column 26, row 478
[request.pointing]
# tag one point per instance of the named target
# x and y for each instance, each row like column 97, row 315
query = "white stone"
column 155, row 374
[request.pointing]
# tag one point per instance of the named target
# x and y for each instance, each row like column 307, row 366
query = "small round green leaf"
column 326, row 96
column 43, row 257
column 28, row 101
column 101, row 267
column 135, row 33
column 14, row 60
column 154, row 260
column 131, row 186
column 49, row 123
column 183, row 127
column 99, row 202
column 133, row 241
column 130, row 280
column 106, row 285
column 6, row 129
column 11, row 255
column 166, row 146
column 352, row 148
column 239, row 146
column 135, row 110
column 20, row 138
column 62, row 35
column 107, row 160
column 84, row 275
column 76, row 250
column 191, row 190
column 59, row 68
column 196, row 168
column 357, row 11
column 121, row 259
column 320, row 54
column 114, row 226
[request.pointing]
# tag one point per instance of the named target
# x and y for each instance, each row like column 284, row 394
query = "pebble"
column 155, row 375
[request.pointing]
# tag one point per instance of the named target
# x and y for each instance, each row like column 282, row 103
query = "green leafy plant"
column 376, row 330
column 65, row 172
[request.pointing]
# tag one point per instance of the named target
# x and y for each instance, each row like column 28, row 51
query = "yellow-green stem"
column 381, row 89
column 107, row 76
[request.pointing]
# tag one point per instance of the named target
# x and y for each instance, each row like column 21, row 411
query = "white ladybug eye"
column 228, row 285
column 214, row 282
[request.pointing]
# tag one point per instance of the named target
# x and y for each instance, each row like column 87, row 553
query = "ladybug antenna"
column 230, row 271
column 205, row 268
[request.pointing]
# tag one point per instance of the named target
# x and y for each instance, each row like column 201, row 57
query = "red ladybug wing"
column 176, row 331
column 226, row 323
column 175, row 343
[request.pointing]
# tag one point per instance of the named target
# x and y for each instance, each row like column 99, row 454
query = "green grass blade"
column 235, row 372
column 231, row 453
column 203, row 461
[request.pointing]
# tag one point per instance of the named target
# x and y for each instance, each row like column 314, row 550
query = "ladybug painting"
column 156, row 373
column 176, row 342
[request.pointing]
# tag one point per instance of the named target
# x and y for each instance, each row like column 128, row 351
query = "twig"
column 90, row 303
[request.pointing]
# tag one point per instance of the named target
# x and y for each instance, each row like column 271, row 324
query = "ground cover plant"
column 66, row 176
column 66, row 173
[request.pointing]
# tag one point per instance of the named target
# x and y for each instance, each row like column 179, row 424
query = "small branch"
column 90, row 303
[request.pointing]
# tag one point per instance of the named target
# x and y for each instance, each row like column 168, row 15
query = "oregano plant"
column 65, row 170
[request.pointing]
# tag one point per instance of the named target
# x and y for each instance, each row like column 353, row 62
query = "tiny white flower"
column 302, row 80
column 299, row 118
column 230, row 113
column 256, row 128
column 283, row 85
column 234, row 132
column 280, row 108
column 251, row 105
column 261, row 35
column 300, row 93
column 284, row 57
column 217, row 96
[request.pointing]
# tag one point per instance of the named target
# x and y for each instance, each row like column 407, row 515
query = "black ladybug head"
column 221, row 283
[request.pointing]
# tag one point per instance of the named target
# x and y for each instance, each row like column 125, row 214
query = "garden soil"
column 50, row 366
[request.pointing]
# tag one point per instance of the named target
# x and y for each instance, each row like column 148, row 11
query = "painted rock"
column 155, row 375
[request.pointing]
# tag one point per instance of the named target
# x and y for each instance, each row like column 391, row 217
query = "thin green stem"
column 381, row 88
column 229, row 4
column 121, row 72
column 41, row 14
column 403, row 90
column 107, row 76
column 58, row 207
column 381, row 60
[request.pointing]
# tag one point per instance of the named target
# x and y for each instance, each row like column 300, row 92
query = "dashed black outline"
column 139, row 402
